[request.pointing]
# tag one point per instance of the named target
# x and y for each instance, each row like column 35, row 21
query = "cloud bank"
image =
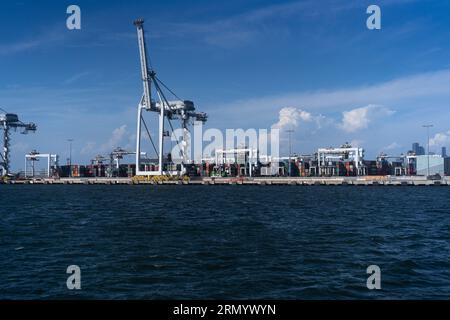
column 360, row 118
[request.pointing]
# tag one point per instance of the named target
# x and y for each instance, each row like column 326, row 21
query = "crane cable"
column 149, row 135
column 167, row 88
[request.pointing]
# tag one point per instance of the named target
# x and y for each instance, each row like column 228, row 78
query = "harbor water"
column 225, row 242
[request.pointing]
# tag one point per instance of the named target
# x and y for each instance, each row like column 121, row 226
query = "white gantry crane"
column 183, row 110
column 34, row 156
column 114, row 160
column 10, row 121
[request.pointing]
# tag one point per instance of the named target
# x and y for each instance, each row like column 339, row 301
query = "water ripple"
column 232, row 242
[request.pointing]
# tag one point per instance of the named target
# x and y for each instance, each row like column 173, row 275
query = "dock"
column 256, row 181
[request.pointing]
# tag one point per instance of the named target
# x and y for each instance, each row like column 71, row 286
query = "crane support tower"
column 182, row 110
column 8, row 122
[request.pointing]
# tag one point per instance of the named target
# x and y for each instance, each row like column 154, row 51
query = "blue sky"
column 312, row 66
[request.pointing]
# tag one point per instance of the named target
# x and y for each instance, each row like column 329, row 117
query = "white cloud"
column 52, row 35
column 118, row 137
column 242, row 28
column 440, row 139
column 357, row 143
column 290, row 117
column 392, row 146
column 76, row 77
column 409, row 89
column 360, row 118
column 12, row 48
column 88, row 148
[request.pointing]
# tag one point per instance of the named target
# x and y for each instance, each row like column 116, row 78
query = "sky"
column 310, row 66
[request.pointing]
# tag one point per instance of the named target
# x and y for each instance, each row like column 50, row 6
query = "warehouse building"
column 438, row 165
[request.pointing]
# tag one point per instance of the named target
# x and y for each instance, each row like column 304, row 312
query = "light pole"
column 70, row 157
column 290, row 149
column 428, row 126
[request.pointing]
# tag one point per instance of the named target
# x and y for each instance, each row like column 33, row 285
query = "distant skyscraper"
column 418, row 149
column 415, row 147
column 444, row 152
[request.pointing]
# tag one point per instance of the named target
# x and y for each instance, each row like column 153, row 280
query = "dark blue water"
column 232, row 242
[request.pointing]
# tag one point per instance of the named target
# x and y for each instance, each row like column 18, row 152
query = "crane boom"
column 146, row 78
